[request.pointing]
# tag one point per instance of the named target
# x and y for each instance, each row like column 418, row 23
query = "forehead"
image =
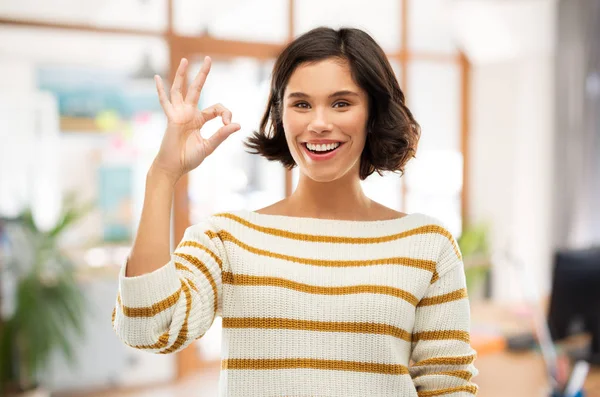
column 321, row 78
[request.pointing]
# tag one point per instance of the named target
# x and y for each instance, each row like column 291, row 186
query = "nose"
column 319, row 123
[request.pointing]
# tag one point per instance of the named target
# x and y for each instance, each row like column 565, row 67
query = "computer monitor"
column 575, row 297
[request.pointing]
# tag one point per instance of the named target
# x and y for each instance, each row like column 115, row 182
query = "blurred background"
column 507, row 93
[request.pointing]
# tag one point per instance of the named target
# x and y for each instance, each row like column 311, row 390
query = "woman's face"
column 323, row 105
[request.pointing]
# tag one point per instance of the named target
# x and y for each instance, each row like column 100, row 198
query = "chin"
column 328, row 173
column 324, row 177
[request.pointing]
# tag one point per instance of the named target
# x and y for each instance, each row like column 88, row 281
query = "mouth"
column 322, row 154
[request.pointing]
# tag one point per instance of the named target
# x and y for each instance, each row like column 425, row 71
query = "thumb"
column 222, row 133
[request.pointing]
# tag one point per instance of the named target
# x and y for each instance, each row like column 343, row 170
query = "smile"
column 327, row 151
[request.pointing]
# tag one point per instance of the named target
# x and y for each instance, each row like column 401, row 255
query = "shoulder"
column 216, row 222
column 437, row 225
column 442, row 240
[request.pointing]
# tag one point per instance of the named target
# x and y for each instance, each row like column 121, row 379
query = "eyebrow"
column 335, row 94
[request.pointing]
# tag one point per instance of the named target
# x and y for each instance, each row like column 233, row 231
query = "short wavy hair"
column 392, row 132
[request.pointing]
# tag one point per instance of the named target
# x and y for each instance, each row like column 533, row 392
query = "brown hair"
column 392, row 132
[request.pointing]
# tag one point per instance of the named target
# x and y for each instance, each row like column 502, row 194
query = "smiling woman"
column 344, row 91
column 326, row 292
column 322, row 122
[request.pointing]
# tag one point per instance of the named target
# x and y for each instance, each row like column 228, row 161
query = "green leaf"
column 8, row 372
column 71, row 214
column 50, row 305
column 474, row 240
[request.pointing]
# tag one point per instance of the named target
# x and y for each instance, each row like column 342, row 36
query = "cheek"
column 292, row 122
column 353, row 123
column 291, row 130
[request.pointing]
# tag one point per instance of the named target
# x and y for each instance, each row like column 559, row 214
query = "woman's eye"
column 341, row 104
column 302, row 105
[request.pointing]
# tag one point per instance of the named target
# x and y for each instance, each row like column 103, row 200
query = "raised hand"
column 183, row 148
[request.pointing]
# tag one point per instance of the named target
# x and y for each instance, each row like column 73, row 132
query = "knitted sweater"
column 312, row 307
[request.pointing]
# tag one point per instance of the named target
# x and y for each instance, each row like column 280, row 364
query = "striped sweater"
column 312, row 307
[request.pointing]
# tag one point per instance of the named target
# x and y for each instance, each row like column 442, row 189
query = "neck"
column 340, row 199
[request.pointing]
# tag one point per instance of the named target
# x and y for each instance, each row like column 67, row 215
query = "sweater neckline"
column 307, row 221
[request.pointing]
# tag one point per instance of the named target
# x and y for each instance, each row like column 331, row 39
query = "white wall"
column 29, row 137
column 511, row 150
column 34, row 159
column 511, row 46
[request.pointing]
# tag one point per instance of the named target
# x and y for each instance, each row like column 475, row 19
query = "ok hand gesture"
column 183, row 148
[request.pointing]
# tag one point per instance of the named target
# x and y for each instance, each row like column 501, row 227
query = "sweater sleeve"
column 441, row 352
column 166, row 310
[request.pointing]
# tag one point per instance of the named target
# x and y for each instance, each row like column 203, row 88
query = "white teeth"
column 322, row 148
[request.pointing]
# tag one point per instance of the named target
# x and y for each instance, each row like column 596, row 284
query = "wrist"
column 157, row 175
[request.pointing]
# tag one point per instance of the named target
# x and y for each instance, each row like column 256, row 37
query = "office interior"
column 507, row 94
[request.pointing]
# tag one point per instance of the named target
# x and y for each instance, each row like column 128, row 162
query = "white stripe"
column 449, row 315
column 411, row 279
column 139, row 331
column 314, row 383
column 148, row 288
column 262, row 343
column 445, row 285
column 444, row 348
column 284, row 303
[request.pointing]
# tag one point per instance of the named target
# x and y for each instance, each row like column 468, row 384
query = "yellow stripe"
column 460, row 360
column 265, row 364
column 466, row 375
column 203, row 248
column 149, row 311
column 310, row 325
column 248, row 280
column 183, row 332
column 442, row 335
column 436, row 300
column 163, row 340
column 469, row 389
column 418, row 263
column 181, row 266
column 426, row 229
column 202, row 267
column 191, row 283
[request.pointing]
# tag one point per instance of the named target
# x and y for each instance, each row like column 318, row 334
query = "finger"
column 162, row 95
column 176, row 95
column 216, row 111
column 193, row 94
column 222, row 133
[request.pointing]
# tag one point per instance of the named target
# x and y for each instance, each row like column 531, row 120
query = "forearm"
column 441, row 351
column 152, row 246
column 166, row 301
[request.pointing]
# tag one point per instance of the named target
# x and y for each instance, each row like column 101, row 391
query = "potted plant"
column 474, row 246
column 47, row 305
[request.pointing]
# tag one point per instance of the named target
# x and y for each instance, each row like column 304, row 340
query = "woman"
column 324, row 293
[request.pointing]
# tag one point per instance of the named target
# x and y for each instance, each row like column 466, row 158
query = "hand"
column 183, row 148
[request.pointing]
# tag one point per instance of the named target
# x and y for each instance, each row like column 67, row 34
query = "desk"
column 508, row 374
